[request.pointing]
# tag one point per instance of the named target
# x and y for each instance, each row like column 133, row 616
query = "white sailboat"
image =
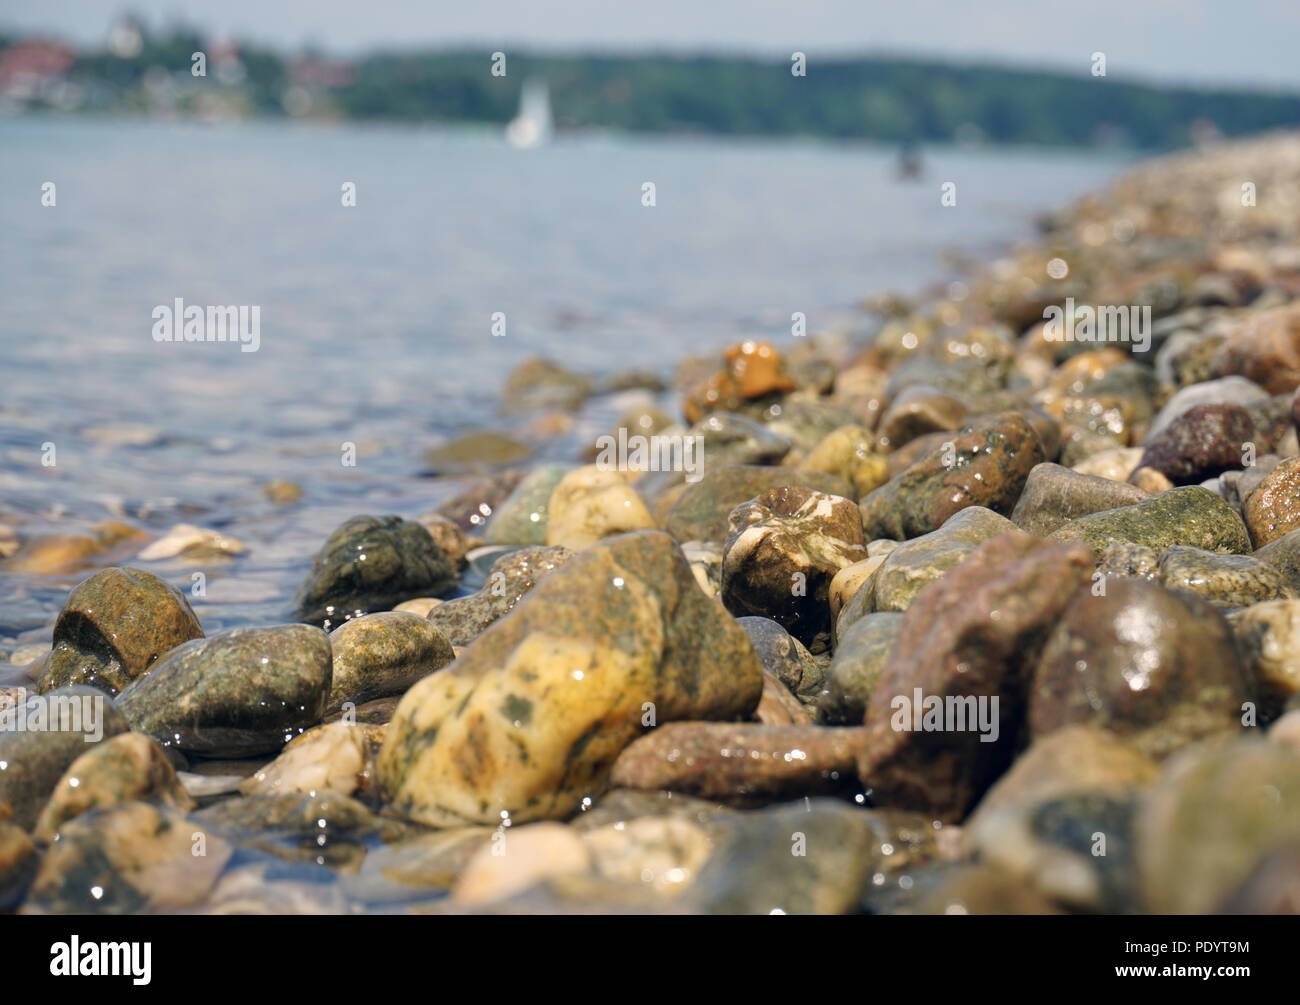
column 533, row 126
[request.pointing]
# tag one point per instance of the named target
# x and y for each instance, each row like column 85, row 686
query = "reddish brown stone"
column 1204, row 441
column 1266, row 349
column 1154, row 666
column 984, row 466
column 778, row 706
column 976, row 633
column 744, row 763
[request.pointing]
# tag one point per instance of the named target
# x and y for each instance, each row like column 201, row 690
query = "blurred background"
column 500, row 154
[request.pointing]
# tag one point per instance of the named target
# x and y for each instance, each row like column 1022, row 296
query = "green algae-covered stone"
column 1189, row 515
column 372, row 564
column 508, row 581
column 35, row 752
column 243, row 692
column 1225, row 580
column 521, row 519
column 917, row 563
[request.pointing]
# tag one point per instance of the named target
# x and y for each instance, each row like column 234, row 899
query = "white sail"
column 533, row 125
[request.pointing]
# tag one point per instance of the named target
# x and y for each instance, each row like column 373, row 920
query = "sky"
column 1238, row 42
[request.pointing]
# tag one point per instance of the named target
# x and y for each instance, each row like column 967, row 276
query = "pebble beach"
column 994, row 609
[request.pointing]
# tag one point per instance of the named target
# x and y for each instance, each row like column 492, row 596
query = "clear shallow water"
column 375, row 320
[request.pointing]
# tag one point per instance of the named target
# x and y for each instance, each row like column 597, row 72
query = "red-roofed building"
column 28, row 67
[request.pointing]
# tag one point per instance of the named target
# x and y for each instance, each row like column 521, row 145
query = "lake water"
column 376, row 319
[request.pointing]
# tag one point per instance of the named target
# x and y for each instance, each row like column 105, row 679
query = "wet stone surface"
column 1155, row 666
column 245, row 691
column 372, row 564
column 383, row 654
column 113, row 628
column 951, row 617
column 507, row 582
column 532, row 715
column 783, row 550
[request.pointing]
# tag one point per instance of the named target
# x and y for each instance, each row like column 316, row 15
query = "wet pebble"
column 1268, row 635
column 521, row 518
column 41, row 736
column 981, row 466
column 1272, row 508
column 778, row 706
column 113, row 627
column 383, row 654
column 195, row 544
column 850, row 453
column 813, row 856
column 1264, row 348
column 1217, row 811
column 1202, row 442
column 589, row 504
column 474, row 452
column 1157, row 667
column 371, row 564
column 242, row 692
column 746, row 764
column 508, row 581
column 539, row 383
column 334, row 758
column 783, row 549
column 532, row 715
column 472, row 507
column 1225, row 391
column 860, row 658
column 968, row 639
column 1225, row 580
column 128, row 858
column 784, row 657
column 124, row 768
column 915, row 564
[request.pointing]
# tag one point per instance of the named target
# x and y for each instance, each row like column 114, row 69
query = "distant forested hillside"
column 882, row 99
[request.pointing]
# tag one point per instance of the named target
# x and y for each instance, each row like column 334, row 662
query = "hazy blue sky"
column 1238, row 41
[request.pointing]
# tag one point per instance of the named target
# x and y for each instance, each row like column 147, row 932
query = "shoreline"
column 948, row 603
column 602, row 136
